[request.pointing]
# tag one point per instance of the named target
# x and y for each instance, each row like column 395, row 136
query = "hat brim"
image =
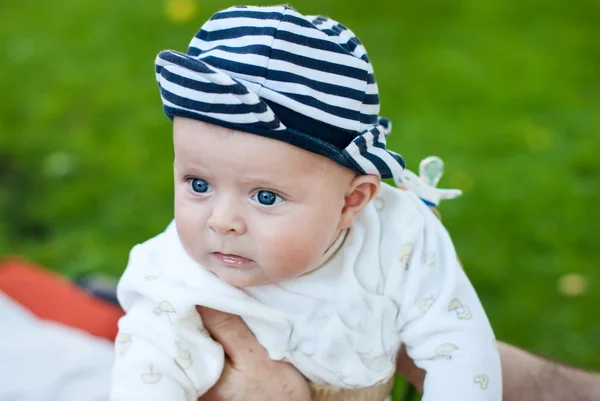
column 194, row 89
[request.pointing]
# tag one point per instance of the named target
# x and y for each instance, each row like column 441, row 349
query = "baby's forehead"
column 195, row 139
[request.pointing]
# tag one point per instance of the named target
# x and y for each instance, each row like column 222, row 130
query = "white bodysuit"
column 395, row 279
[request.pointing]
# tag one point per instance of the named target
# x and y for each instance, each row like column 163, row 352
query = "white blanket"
column 41, row 360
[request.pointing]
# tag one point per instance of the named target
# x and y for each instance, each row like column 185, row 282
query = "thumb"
column 231, row 332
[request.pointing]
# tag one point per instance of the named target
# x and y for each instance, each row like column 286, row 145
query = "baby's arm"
column 162, row 350
column 446, row 330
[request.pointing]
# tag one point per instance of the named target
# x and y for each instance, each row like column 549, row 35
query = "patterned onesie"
column 394, row 280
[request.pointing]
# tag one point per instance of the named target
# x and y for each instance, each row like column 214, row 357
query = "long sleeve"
column 445, row 328
column 162, row 350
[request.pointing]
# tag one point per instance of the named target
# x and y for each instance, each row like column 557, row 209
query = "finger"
column 407, row 368
column 231, row 332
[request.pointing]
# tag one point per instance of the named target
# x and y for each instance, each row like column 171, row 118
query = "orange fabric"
column 52, row 297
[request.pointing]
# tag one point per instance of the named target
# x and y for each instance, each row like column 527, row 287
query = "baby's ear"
column 363, row 189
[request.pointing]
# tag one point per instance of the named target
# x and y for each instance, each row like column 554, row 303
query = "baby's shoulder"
column 397, row 208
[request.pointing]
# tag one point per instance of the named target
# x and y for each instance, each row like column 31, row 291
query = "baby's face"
column 254, row 210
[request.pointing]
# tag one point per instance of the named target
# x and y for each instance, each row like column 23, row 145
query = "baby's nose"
column 225, row 220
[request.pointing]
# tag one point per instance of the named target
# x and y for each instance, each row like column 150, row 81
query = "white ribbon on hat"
column 424, row 185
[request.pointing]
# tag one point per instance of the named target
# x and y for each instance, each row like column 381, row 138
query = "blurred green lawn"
column 507, row 92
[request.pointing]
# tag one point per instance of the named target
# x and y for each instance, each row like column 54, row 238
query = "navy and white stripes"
column 274, row 72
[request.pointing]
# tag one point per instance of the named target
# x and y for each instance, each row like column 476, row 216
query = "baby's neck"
column 336, row 244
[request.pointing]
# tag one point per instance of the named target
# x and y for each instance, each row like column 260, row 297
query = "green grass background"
column 507, row 92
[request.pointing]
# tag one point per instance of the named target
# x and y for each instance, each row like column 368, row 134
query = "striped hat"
column 272, row 71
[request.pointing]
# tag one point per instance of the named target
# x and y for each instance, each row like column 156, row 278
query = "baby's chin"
column 254, row 277
column 241, row 277
column 244, row 282
column 234, row 276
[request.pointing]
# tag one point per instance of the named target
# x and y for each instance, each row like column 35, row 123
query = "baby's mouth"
column 232, row 260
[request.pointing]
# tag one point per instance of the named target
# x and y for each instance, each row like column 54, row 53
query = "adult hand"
column 525, row 377
column 249, row 374
column 406, row 368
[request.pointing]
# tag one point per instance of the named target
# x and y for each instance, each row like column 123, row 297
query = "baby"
column 281, row 218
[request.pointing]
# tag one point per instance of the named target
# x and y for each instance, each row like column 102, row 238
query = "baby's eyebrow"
column 276, row 183
column 259, row 180
column 187, row 165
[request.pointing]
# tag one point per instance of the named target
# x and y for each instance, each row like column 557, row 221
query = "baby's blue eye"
column 267, row 198
column 199, row 186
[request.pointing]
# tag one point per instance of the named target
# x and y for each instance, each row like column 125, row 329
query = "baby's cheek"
column 291, row 253
column 189, row 241
column 190, row 228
